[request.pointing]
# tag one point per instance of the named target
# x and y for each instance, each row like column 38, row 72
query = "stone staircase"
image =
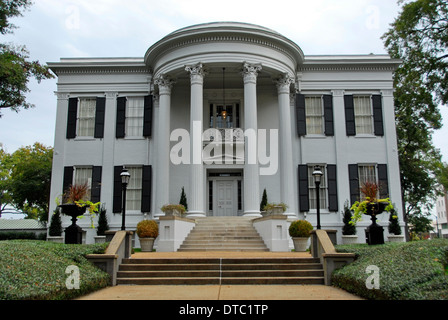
column 220, row 271
column 223, row 234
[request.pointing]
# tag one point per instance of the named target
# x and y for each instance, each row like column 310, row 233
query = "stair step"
column 222, row 281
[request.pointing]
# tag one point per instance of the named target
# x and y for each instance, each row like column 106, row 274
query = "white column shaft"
column 251, row 168
column 287, row 193
column 196, row 199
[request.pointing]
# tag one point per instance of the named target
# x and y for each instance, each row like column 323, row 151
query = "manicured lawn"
column 416, row 270
column 36, row 270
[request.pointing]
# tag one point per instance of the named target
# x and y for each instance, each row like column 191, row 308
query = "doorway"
column 225, row 193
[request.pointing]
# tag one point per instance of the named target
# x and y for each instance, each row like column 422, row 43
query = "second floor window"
column 314, row 115
column 363, row 114
column 86, row 117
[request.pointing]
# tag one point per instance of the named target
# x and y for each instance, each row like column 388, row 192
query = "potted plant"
column 275, row 208
column 147, row 231
column 394, row 228
column 55, row 228
column 103, row 226
column 173, row 210
column 75, row 204
column 300, row 231
column 371, row 206
column 348, row 230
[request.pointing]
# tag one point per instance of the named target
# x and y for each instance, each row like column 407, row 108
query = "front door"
column 225, row 202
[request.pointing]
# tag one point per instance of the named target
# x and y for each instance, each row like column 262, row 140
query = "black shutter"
column 68, row 178
column 332, row 188
column 146, row 188
column 354, row 182
column 147, row 117
column 300, row 115
column 383, row 181
column 121, row 117
column 328, row 115
column 304, row 202
column 71, row 117
column 100, row 111
column 349, row 115
column 96, row 184
column 378, row 115
column 116, row 207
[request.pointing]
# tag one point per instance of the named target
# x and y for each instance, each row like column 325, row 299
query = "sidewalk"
column 224, row 292
column 220, row 292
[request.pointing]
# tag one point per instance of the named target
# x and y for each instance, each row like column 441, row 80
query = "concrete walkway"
column 220, row 292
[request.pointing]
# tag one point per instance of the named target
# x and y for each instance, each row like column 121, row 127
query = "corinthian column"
column 251, row 169
column 196, row 197
column 162, row 171
column 285, row 136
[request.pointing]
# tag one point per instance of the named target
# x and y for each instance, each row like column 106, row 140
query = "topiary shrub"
column 147, row 229
column 55, row 229
column 300, row 229
column 394, row 226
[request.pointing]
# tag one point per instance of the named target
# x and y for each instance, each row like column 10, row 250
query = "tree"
column 15, row 68
column 55, row 228
column 29, row 181
column 5, row 165
column 419, row 37
column 183, row 199
column 264, row 200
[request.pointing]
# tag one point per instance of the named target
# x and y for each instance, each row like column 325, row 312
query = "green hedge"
column 11, row 235
column 35, row 270
column 414, row 270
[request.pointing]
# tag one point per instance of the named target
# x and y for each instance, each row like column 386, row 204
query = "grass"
column 35, row 270
column 416, row 270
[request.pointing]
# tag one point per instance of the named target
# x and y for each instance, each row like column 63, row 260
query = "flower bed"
column 35, row 270
column 414, row 270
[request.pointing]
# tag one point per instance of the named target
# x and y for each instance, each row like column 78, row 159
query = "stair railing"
column 322, row 247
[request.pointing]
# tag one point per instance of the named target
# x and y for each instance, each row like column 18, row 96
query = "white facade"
column 286, row 112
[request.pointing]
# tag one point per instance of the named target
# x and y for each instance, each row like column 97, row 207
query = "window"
column 314, row 115
column 134, row 117
column 134, row 189
column 231, row 120
column 84, row 175
column 86, row 117
column 367, row 173
column 363, row 114
column 312, row 189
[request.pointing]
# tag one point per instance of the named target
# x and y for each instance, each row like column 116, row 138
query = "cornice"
column 99, row 66
column 349, row 63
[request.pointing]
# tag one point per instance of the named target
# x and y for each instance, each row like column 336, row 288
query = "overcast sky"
column 52, row 29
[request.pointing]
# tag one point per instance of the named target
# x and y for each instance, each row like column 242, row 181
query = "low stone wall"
column 172, row 232
column 274, row 231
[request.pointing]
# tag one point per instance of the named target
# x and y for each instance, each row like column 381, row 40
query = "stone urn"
column 300, row 244
column 146, row 244
column 73, row 233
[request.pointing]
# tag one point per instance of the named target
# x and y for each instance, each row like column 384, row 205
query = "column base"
column 252, row 214
column 195, row 214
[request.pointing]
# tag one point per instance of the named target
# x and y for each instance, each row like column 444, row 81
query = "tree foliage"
column 419, row 37
column 25, row 182
column 15, row 68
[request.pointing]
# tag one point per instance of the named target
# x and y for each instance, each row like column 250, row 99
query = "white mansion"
column 226, row 110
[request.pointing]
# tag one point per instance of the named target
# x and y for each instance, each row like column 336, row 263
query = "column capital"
column 250, row 72
column 165, row 83
column 283, row 83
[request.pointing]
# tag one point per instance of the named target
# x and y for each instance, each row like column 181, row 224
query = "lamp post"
column 317, row 174
column 125, row 176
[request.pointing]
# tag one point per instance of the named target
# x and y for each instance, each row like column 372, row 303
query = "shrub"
column 35, row 270
column 300, row 229
column 394, row 226
column 103, row 225
column 408, row 271
column 55, row 229
column 183, row 199
column 179, row 207
column 271, row 205
column 147, row 229
column 264, row 200
column 348, row 229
